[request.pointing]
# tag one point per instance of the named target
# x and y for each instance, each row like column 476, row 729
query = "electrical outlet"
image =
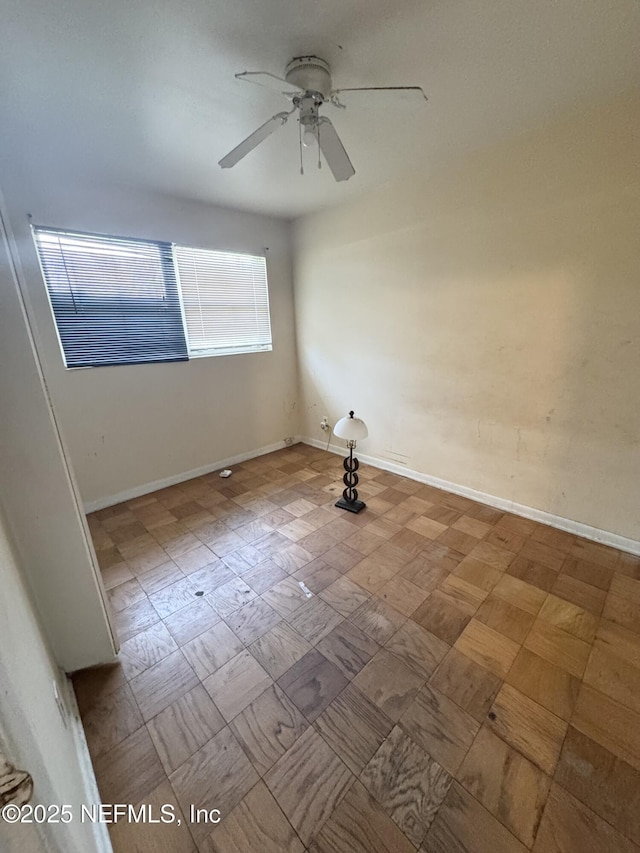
column 324, row 424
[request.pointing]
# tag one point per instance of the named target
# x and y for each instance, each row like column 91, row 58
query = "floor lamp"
column 351, row 429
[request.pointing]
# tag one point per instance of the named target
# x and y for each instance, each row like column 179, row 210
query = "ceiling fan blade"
column 333, row 150
column 414, row 91
column 268, row 81
column 253, row 140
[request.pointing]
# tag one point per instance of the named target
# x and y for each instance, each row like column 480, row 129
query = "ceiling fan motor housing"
column 311, row 74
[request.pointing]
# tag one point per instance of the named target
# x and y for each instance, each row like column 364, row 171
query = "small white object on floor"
column 305, row 589
column 226, row 473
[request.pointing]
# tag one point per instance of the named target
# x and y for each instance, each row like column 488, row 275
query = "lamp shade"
column 350, row 428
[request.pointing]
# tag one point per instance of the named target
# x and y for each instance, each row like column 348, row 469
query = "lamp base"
column 350, row 506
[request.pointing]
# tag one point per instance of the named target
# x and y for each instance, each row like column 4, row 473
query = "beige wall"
column 33, row 734
column 483, row 319
column 133, row 425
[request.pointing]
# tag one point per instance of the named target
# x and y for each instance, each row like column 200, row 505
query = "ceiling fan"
column 307, row 83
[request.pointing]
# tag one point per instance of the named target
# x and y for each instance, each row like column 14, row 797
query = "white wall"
column 38, row 495
column 483, row 319
column 32, row 731
column 129, row 426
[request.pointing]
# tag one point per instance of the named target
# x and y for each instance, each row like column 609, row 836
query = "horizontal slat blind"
column 225, row 301
column 115, row 300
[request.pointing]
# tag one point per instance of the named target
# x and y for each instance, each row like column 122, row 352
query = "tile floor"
column 455, row 680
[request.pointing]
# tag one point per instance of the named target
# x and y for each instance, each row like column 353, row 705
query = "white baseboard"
column 622, row 543
column 146, row 488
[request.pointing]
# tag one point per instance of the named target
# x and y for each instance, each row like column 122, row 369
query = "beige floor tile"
column 578, row 592
column 316, row 575
column 267, row 727
column 370, row 574
column 195, row 558
column 609, row 723
column 359, row 825
column 528, row 727
column 344, row 596
column 157, row 578
column 440, row 727
column 146, row 649
column 591, row 573
column 512, row 788
column 314, row 620
column 173, row 597
column 115, row 574
column 420, row 650
column 468, row 684
column 601, row 781
column 408, row 784
column 253, row 620
column 231, row 596
column 543, row 553
column 151, row 837
column 348, row 648
column 112, row 717
column 312, row 683
column 354, row 727
column 132, row 620
column 130, row 771
column 533, row 573
column 125, row 594
column 194, row 619
column 377, row 619
column 286, row 597
column 163, row 683
column 464, row 594
column 558, row 647
column 308, row 782
column 389, row 683
column 93, row 684
column 443, row 616
column 195, row 783
column 278, row 649
column 567, row 826
column 493, row 555
column 550, row 686
column 255, row 825
column 236, row 684
column 487, row 648
column 181, row 729
column 464, row 826
column 212, row 649
column 569, row 617
column 263, row 576
column 469, row 525
column 520, row 594
column 402, row 595
column 505, row 618
column 478, row 574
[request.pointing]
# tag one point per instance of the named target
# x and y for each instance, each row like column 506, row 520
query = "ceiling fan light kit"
column 307, row 83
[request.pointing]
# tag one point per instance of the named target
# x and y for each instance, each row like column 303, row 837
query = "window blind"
column 225, row 301
column 115, row 300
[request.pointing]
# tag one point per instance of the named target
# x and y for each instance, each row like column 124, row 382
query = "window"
column 225, row 301
column 125, row 301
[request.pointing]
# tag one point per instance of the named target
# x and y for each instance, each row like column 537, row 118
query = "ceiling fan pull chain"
column 300, row 145
column 318, row 135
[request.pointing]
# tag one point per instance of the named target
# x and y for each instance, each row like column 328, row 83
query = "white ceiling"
column 143, row 92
